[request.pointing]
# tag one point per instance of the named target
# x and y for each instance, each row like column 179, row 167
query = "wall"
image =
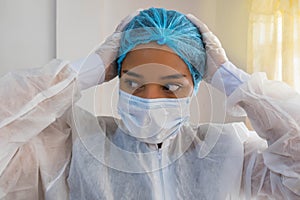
column 85, row 23
column 34, row 32
column 27, row 33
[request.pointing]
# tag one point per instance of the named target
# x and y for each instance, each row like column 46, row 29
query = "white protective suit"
column 50, row 150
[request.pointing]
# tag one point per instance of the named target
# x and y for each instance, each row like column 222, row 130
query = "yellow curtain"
column 274, row 40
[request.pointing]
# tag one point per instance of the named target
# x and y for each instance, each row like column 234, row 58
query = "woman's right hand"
column 101, row 64
column 108, row 51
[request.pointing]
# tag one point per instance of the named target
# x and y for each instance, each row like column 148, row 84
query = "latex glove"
column 109, row 49
column 215, row 53
column 101, row 64
column 221, row 73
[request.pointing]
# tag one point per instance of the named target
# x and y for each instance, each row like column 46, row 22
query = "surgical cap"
column 166, row 27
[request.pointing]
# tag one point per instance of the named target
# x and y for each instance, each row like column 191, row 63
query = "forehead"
column 157, row 56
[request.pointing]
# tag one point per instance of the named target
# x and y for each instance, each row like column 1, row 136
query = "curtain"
column 274, row 40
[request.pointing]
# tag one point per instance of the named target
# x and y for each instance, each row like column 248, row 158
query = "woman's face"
column 155, row 71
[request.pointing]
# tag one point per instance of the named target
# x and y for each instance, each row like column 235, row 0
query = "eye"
column 131, row 84
column 172, row 87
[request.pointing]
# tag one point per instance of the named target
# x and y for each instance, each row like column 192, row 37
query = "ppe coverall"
column 53, row 150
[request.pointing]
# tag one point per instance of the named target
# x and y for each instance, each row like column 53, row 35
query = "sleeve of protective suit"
column 271, row 170
column 35, row 139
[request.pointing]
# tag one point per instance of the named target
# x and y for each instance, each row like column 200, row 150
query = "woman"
column 54, row 151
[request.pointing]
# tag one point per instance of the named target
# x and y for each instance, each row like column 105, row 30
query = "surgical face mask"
column 153, row 120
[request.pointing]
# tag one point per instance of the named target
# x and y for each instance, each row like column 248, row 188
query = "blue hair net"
column 166, row 27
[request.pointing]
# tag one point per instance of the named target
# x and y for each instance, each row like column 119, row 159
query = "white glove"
column 101, row 64
column 216, row 55
column 221, row 73
column 108, row 51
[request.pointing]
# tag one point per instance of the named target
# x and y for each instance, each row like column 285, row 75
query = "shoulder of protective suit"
column 237, row 129
column 86, row 124
column 222, row 139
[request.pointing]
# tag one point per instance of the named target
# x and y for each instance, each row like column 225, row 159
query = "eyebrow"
column 129, row 73
column 173, row 76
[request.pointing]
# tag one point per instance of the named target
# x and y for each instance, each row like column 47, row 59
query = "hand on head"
column 108, row 51
column 215, row 54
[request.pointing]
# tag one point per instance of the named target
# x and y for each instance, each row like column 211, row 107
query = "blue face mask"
column 153, row 120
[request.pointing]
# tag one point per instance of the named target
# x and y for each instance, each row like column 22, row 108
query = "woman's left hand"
column 215, row 53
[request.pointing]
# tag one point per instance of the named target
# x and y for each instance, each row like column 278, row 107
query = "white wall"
column 83, row 24
column 27, row 33
column 33, row 32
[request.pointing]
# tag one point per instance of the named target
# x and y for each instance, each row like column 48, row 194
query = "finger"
column 201, row 26
column 127, row 19
column 210, row 39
